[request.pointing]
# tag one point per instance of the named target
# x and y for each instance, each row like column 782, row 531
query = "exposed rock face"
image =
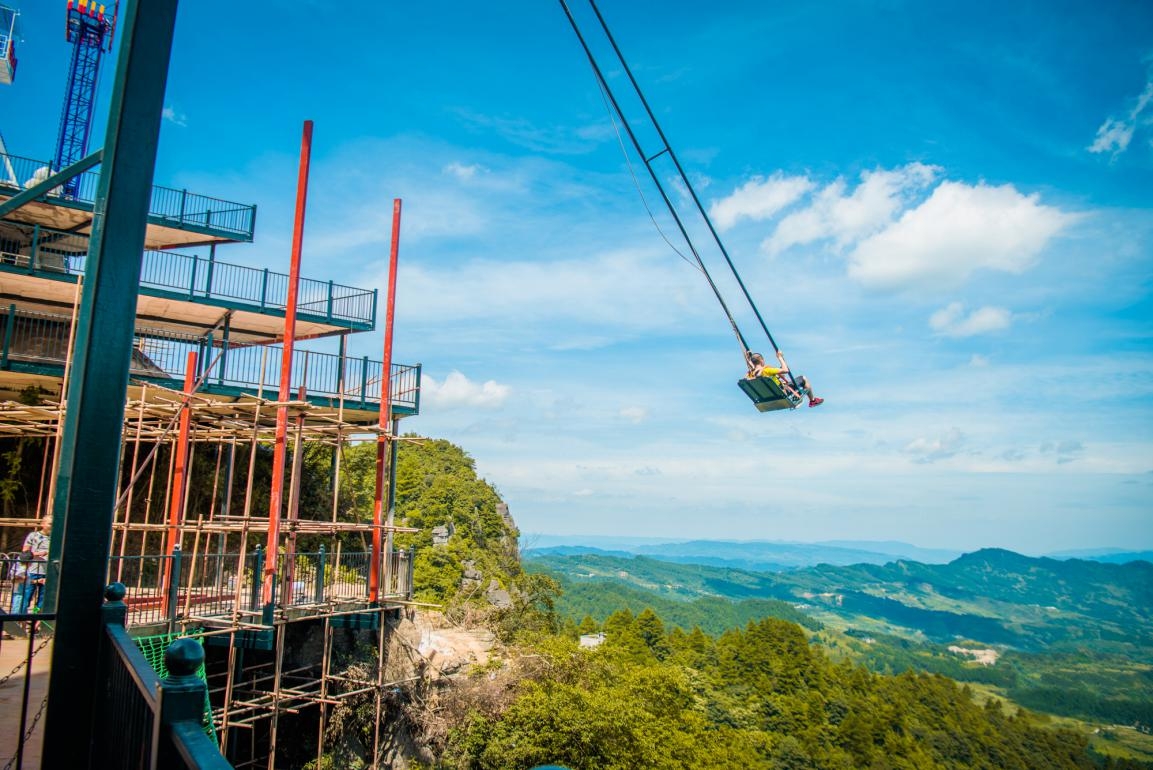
column 497, row 596
column 471, row 575
column 446, row 649
column 430, row 661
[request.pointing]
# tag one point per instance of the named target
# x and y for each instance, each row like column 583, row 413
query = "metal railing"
column 18, row 593
column 53, row 253
column 145, row 721
column 208, row 585
column 176, row 208
column 42, row 338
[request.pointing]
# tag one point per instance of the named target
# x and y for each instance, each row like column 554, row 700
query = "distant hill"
column 1110, row 555
column 898, row 549
column 775, row 556
column 573, row 550
column 991, row 596
column 754, row 555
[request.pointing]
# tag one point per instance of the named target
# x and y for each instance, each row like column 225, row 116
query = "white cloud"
column 951, row 321
column 1115, row 134
column 927, row 450
column 635, row 414
column 170, row 114
column 959, row 230
column 1065, row 451
column 848, row 217
column 759, row 199
column 458, row 391
column 462, row 171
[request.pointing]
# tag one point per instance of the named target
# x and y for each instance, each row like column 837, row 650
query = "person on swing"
column 757, row 368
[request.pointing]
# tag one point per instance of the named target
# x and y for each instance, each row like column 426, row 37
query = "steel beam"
column 90, row 444
column 41, row 188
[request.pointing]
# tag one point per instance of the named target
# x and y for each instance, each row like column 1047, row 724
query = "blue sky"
column 943, row 211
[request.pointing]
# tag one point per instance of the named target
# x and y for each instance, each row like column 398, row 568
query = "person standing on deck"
column 36, row 546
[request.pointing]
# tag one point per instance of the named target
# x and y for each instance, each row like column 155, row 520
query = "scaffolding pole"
column 275, row 498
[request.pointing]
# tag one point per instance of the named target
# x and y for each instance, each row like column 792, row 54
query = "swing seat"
column 767, row 395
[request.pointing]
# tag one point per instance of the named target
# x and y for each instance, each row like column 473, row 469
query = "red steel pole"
column 272, row 549
column 179, row 474
column 385, row 411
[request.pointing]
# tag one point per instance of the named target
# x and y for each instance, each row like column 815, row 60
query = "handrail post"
column 8, row 335
column 34, row 252
column 206, row 349
column 182, row 696
column 211, row 269
column 257, row 573
column 223, row 364
column 114, row 612
column 416, row 398
column 192, row 281
column 411, row 564
column 183, row 198
column 174, row 588
column 320, row 563
column 328, row 313
column 264, row 289
column 363, row 380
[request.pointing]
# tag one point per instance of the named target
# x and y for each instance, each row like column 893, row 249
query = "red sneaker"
column 816, row 401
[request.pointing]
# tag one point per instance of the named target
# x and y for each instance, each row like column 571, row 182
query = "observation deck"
column 39, row 267
column 175, row 217
column 34, row 352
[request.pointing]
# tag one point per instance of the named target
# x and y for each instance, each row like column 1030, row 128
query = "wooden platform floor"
column 13, row 653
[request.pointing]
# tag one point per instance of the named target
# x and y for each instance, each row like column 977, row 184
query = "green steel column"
column 90, row 455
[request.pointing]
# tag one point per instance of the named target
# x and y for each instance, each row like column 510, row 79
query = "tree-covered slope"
column 756, row 697
column 600, row 598
column 437, row 487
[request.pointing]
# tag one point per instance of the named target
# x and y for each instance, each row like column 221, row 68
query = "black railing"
column 53, row 253
column 177, row 208
column 42, row 338
column 21, row 583
column 166, row 590
column 145, row 721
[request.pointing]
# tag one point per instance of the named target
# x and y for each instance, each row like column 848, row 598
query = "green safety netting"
column 153, row 648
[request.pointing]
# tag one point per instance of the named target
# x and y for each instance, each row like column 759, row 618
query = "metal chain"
column 23, row 663
column 28, row 732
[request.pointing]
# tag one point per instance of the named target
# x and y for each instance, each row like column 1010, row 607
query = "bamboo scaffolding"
column 156, row 513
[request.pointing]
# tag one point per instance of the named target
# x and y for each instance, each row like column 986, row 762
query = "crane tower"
column 89, row 29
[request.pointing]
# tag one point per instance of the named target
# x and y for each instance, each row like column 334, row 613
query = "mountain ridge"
column 777, row 555
column 992, row 596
